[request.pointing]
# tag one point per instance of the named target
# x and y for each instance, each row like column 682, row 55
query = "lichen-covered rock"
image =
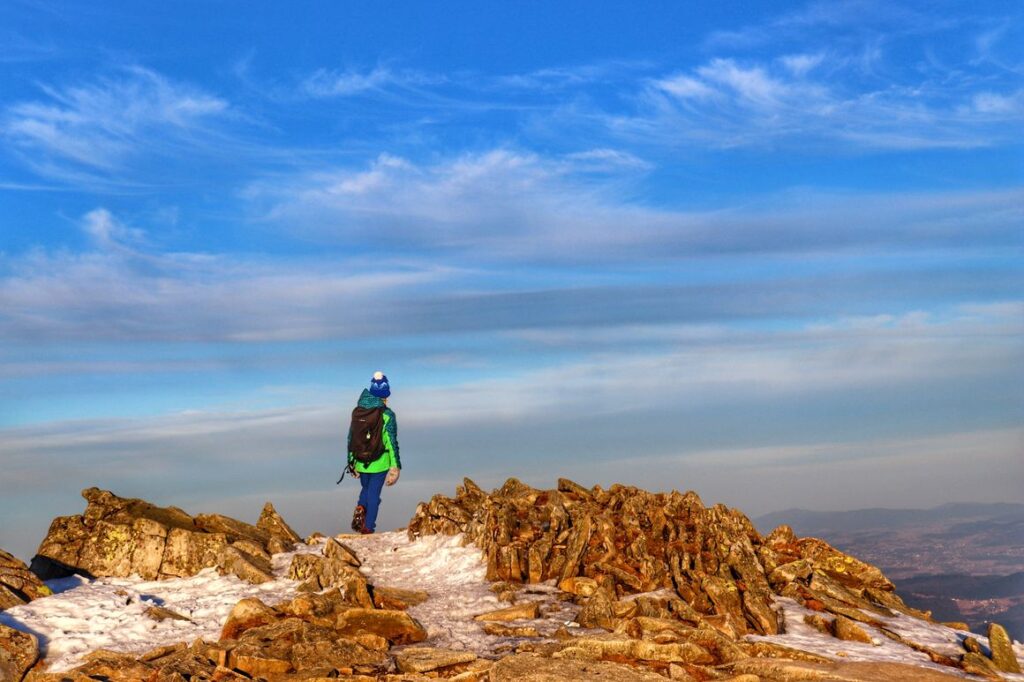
column 1003, row 655
column 847, row 630
column 425, row 659
column 18, row 585
column 398, row 627
column 274, row 525
column 18, row 652
column 245, row 615
column 319, row 572
column 118, row 537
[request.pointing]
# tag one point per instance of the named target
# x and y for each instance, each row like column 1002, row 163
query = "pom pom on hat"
column 379, row 385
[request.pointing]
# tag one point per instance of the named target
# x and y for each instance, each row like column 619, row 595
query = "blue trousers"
column 369, row 496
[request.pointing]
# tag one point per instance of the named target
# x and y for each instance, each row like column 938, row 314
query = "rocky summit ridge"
column 663, row 586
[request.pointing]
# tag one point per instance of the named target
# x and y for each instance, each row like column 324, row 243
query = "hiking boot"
column 359, row 518
column 366, row 531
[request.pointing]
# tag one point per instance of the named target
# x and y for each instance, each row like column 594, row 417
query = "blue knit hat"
column 379, row 385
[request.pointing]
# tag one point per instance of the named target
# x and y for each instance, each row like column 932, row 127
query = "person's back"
column 379, row 465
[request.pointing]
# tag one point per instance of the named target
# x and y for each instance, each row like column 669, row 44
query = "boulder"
column 118, row 537
column 18, row 585
column 245, row 615
column 19, row 651
column 500, row 630
column 319, row 572
column 425, row 659
column 1003, row 655
column 394, row 598
column 398, row 627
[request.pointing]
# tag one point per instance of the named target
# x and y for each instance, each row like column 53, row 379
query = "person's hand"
column 392, row 476
column 352, row 471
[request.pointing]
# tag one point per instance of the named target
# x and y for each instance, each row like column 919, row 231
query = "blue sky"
column 784, row 238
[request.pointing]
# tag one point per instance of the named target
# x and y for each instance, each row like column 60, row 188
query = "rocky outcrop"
column 627, row 541
column 119, row 537
column 18, row 585
column 674, row 582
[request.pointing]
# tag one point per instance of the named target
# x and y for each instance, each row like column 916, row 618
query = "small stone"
column 578, row 585
column 160, row 614
column 847, row 630
column 819, row 622
column 972, row 645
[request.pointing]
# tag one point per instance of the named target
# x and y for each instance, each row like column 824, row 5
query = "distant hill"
column 807, row 522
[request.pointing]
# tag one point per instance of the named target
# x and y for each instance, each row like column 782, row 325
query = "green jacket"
column 390, row 457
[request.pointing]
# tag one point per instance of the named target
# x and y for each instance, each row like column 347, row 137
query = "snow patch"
column 110, row 613
column 454, row 574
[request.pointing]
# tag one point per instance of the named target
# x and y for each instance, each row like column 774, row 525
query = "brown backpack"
column 367, row 443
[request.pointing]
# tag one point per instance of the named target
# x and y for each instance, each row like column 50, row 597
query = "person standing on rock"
column 373, row 451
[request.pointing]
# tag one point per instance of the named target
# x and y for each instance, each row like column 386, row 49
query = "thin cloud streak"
column 97, row 129
column 520, row 206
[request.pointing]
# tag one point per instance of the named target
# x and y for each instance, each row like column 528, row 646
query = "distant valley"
column 963, row 562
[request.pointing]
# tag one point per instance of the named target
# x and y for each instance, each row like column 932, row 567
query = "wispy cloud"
column 521, row 206
column 812, row 99
column 122, row 290
column 96, row 129
column 351, row 82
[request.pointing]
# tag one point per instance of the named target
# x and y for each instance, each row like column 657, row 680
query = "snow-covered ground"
column 110, row 613
column 800, row 635
column 453, row 575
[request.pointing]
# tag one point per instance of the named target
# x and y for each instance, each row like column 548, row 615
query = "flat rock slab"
column 422, row 659
column 801, row 671
column 531, row 668
column 524, row 611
